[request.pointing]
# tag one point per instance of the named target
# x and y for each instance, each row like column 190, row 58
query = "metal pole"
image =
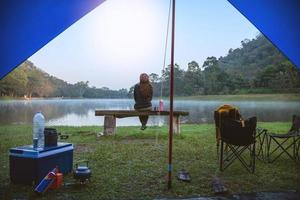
column 171, row 100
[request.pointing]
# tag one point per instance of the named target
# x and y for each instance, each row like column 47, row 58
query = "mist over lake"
column 79, row 112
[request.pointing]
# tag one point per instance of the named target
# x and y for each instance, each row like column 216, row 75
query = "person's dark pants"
column 144, row 119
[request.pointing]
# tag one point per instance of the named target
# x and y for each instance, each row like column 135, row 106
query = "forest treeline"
column 29, row 81
column 256, row 67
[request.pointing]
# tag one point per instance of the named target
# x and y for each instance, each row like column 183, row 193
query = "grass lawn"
column 132, row 164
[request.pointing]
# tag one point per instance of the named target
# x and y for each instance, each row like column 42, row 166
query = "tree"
column 216, row 80
column 34, row 84
column 210, row 61
column 178, row 80
column 131, row 91
column 256, row 66
column 154, row 78
column 81, row 87
column 282, row 77
column 193, row 83
column 14, row 84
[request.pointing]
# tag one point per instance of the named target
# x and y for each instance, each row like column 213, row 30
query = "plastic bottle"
column 38, row 130
column 161, row 105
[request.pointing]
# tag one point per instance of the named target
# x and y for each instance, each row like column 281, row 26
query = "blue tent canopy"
column 278, row 20
column 28, row 25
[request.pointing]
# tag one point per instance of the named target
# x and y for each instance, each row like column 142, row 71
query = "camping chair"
column 240, row 137
column 224, row 112
column 261, row 139
column 285, row 142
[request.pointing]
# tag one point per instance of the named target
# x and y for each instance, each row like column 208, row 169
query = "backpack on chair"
column 224, row 112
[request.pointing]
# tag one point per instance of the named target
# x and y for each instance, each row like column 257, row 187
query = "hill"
column 252, row 58
column 27, row 80
column 256, row 67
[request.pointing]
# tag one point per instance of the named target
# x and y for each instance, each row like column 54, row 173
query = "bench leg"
column 176, row 124
column 109, row 125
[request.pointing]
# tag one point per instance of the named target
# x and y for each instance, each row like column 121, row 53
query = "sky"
column 120, row 39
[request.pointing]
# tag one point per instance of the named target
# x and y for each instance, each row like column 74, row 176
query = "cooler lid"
column 29, row 151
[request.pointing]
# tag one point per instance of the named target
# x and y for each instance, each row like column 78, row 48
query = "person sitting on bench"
column 143, row 95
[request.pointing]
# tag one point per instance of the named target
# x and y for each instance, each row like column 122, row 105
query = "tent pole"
column 171, row 100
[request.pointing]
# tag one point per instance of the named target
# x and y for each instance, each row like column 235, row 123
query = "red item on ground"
column 47, row 181
column 58, row 181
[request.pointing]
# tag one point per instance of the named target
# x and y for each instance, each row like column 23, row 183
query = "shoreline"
column 165, row 126
column 237, row 97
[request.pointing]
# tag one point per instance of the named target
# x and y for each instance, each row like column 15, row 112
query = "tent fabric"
column 278, row 20
column 28, row 25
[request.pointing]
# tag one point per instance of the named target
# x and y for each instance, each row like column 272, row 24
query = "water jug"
column 161, row 105
column 38, row 130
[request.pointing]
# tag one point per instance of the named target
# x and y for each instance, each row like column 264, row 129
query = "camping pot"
column 82, row 172
column 50, row 137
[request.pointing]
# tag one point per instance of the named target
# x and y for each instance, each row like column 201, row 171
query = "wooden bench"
column 111, row 115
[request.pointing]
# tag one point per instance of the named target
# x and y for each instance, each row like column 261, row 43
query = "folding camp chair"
column 261, row 139
column 239, row 136
column 224, row 112
column 284, row 142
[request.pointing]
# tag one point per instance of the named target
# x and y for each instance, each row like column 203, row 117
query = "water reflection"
column 78, row 112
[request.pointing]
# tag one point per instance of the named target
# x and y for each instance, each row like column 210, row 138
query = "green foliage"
column 27, row 80
column 14, row 84
column 193, row 80
column 178, row 80
column 256, row 67
column 279, row 77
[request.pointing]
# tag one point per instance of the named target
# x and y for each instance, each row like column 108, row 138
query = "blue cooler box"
column 28, row 165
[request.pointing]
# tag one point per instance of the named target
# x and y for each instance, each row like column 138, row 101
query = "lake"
column 79, row 112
